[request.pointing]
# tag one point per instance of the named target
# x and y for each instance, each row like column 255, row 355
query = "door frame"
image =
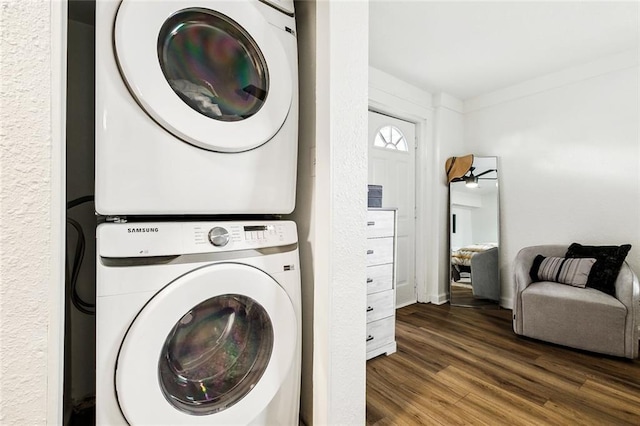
column 415, row 201
column 407, row 109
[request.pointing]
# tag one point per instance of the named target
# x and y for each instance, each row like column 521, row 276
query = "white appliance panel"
column 155, row 155
column 140, row 352
column 141, row 296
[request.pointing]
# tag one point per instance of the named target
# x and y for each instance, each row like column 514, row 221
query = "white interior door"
column 392, row 165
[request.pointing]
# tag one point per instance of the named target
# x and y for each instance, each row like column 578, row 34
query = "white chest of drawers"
column 381, row 282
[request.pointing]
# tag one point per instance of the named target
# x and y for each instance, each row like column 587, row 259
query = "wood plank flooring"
column 459, row 366
column 463, row 296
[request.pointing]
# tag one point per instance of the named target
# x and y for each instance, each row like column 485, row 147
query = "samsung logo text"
column 136, row 230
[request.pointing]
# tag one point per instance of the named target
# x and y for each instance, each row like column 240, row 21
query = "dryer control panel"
column 148, row 239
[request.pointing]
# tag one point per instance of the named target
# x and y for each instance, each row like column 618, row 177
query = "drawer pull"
column 369, row 309
column 369, row 251
column 371, row 224
column 369, row 338
column 369, row 280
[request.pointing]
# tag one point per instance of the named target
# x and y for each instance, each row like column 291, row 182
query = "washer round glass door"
column 215, row 76
column 213, row 345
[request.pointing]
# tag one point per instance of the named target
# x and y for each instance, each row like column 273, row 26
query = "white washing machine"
column 198, row 323
column 196, row 107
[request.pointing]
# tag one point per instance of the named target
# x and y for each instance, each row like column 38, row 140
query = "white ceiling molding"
column 554, row 80
column 444, row 100
column 385, row 82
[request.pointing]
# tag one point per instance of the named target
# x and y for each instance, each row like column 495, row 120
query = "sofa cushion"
column 563, row 270
column 609, row 259
column 583, row 318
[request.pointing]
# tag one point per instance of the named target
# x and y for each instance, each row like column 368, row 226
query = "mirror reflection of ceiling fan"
column 471, row 180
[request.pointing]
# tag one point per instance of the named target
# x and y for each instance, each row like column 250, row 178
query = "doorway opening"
column 392, row 165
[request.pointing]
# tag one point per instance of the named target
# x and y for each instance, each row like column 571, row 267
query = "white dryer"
column 198, row 323
column 196, row 107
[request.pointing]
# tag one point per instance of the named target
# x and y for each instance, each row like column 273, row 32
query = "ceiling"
column 467, row 49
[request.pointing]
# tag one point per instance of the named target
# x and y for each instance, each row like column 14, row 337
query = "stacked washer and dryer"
column 198, row 297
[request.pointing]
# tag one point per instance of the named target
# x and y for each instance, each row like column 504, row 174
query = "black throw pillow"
column 605, row 271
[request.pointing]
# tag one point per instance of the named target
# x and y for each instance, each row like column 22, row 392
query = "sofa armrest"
column 628, row 292
column 522, row 266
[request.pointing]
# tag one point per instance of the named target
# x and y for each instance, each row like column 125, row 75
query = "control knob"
column 219, row 236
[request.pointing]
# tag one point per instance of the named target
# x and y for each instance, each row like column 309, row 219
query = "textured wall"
column 25, row 142
column 339, row 214
column 331, row 208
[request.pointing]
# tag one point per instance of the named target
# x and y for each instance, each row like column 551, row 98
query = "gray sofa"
column 485, row 278
column 582, row 318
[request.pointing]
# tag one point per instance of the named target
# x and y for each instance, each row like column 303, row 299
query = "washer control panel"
column 234, row 235
column 238, row 236
column 174, row 238
column 220, row 237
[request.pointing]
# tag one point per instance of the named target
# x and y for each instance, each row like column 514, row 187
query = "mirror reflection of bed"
column 474, row 236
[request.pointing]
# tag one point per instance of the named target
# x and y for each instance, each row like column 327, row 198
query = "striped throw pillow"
column 572, row 271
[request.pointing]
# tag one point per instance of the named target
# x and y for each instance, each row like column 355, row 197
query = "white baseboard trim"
column 443, row 298
column 439, row 299
column 402, row 305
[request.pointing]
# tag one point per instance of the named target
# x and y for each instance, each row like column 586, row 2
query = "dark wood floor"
column 466, row 366
column 463, row 296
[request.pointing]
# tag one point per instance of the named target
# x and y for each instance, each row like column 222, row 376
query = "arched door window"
column 390, row 137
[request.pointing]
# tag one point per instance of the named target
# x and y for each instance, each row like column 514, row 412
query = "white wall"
column 485, row 219
column 464, row 229
column 476, row 216
column 449, row 141
column 568, row 157
column 306, row 193
column 331, row 208
column 341, row 183
column 31, row 113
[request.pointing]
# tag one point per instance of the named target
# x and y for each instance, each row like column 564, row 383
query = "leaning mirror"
column 474, row 236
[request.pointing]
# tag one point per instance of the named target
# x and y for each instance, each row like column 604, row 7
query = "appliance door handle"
column 372, row 223
column 369, row 251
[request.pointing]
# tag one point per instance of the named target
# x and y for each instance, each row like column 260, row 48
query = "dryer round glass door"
column 212, row 346
column 213, row 65
column 216, row 76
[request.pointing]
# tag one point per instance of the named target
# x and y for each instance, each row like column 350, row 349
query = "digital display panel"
column 255, row 228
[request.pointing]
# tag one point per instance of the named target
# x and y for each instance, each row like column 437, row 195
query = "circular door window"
column 211, row 347
column 218, row 76
column 213, row 64
column 215, row 354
